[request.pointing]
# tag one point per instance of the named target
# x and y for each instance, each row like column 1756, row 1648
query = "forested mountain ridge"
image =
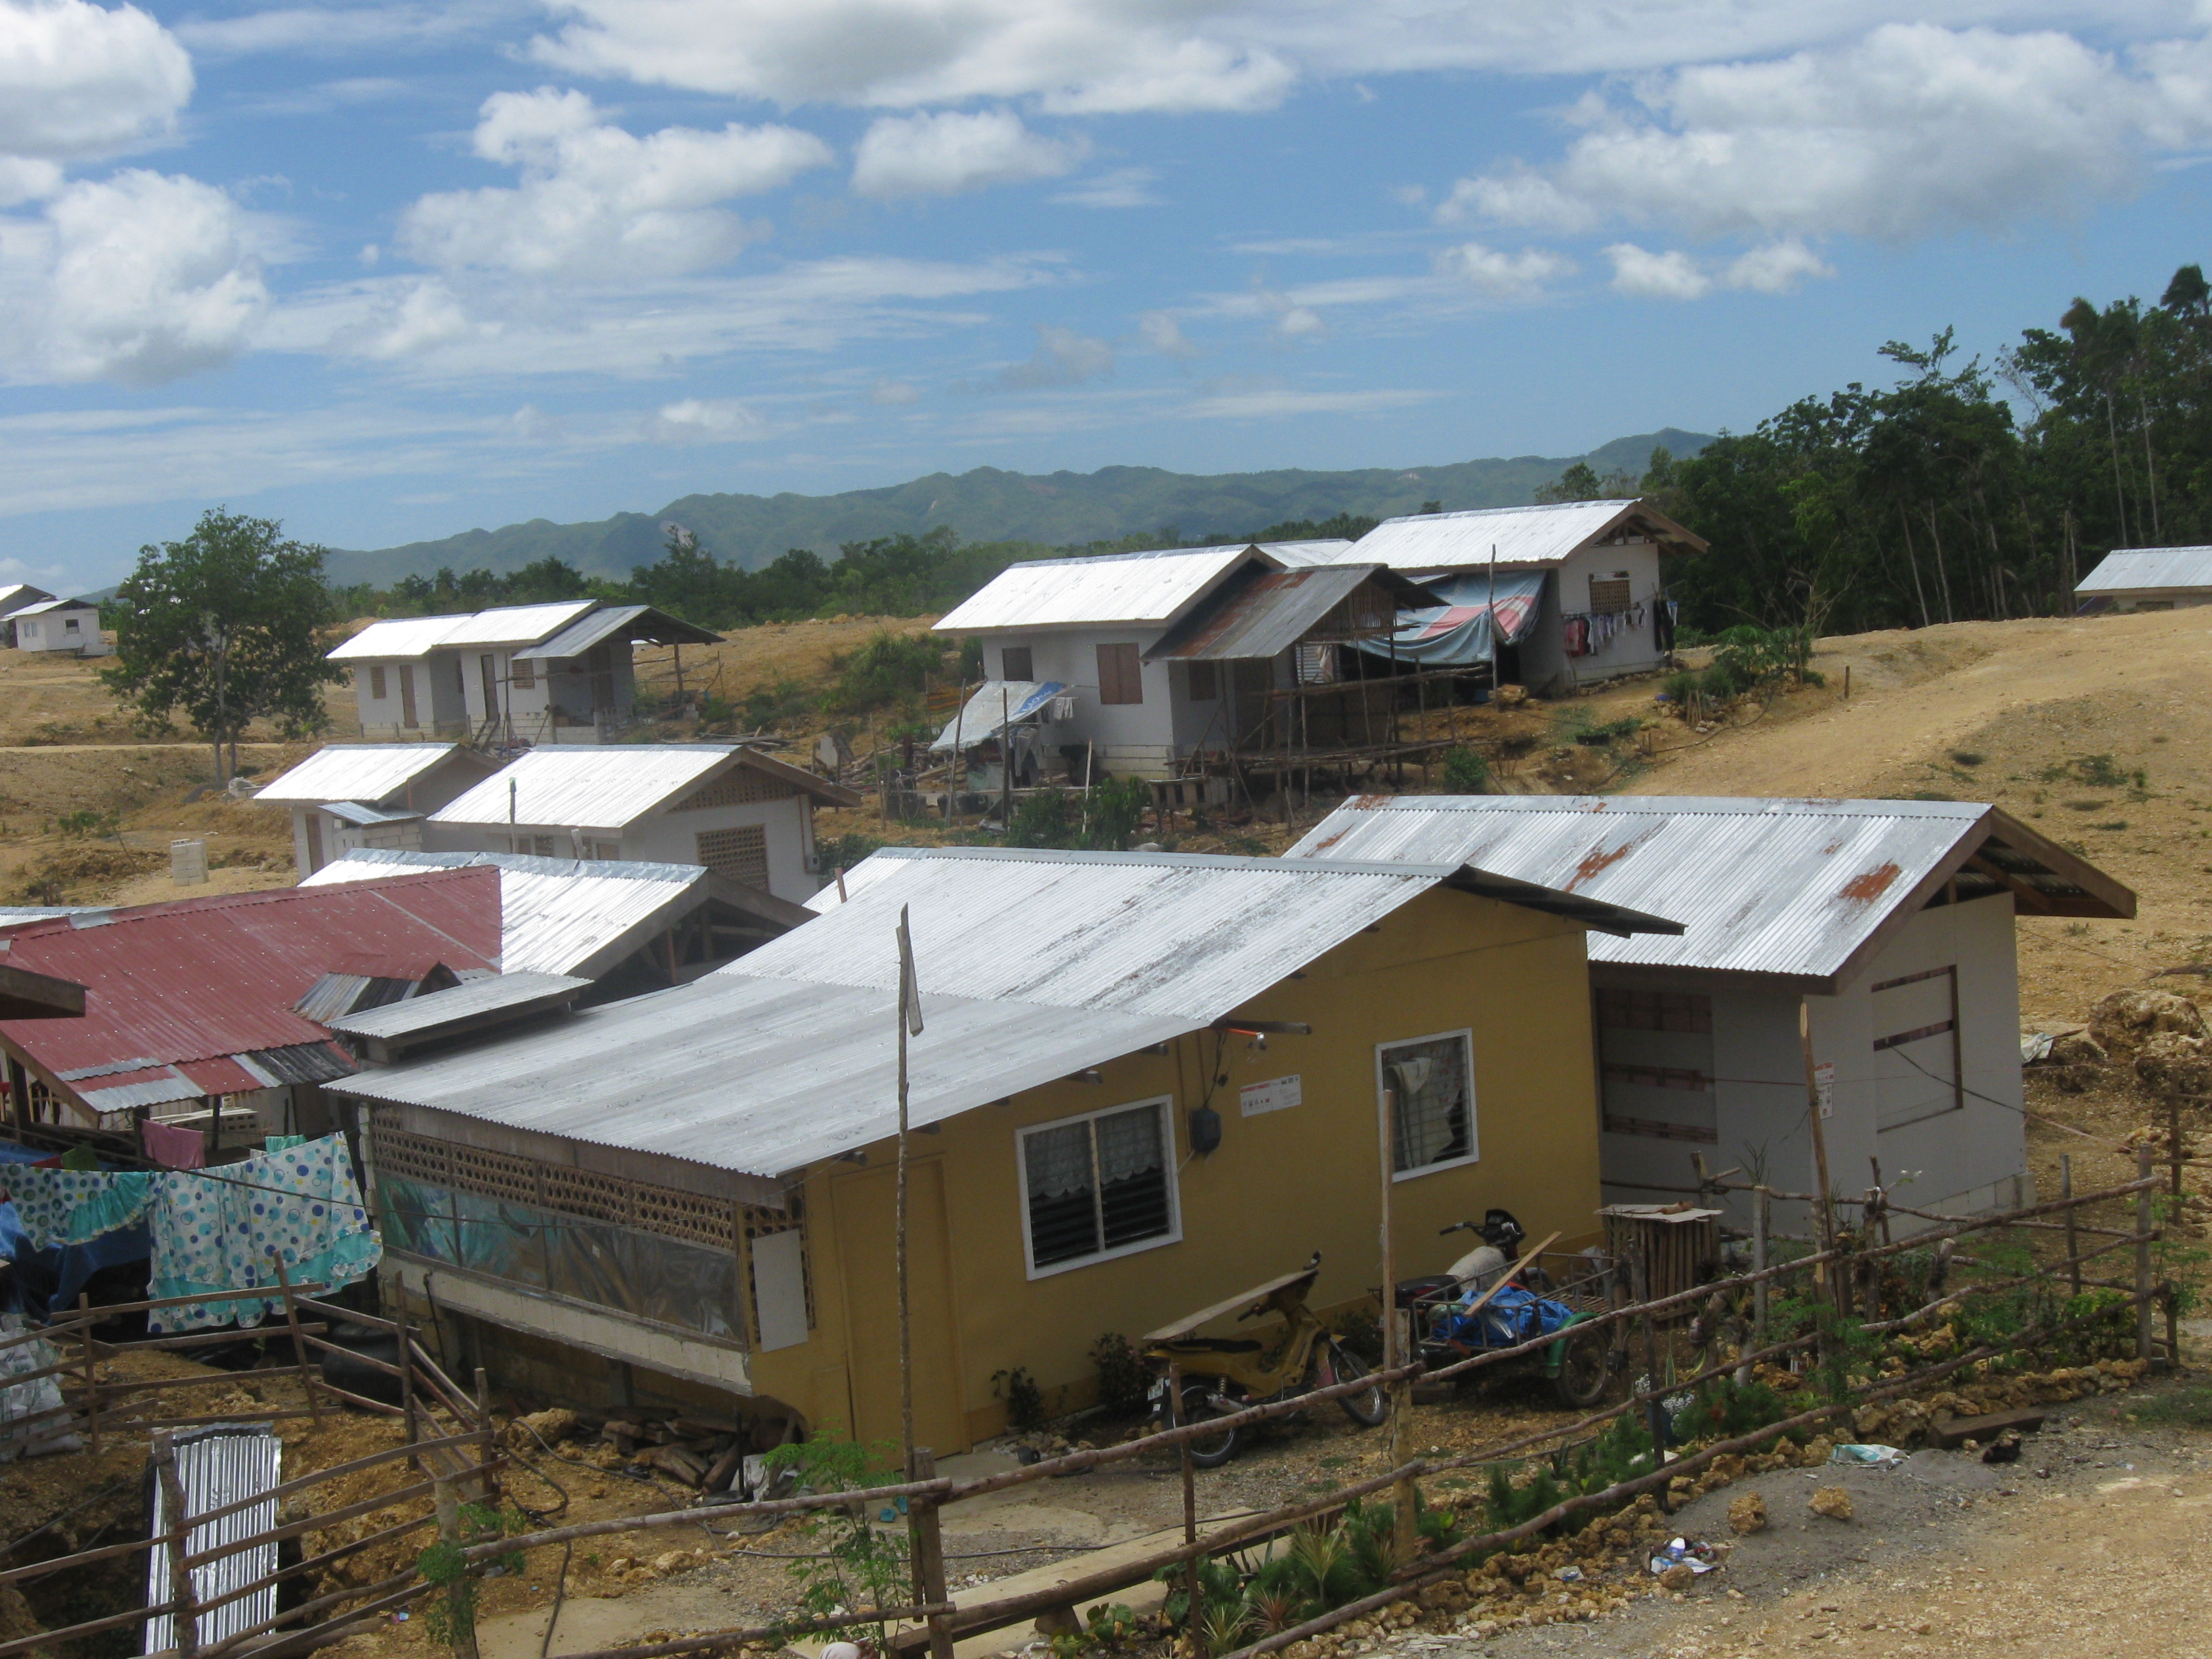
column 989, row 505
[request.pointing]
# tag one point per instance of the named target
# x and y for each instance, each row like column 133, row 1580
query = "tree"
column 226, row 626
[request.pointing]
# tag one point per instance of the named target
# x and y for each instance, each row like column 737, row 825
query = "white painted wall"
column 1071, row 656
column 76, row 630
column 662, row 837
column 1962, row 1160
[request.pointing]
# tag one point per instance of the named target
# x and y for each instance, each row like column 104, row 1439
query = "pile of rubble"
column 710, row 1454
column 2159, row 1037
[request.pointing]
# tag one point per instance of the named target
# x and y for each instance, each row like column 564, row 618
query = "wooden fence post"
column 186, row 1620
column 487, row 1483
column 446, row 1496
column 1762, row 1226
column 1655, row 1413
column 91, row 1376
column 407, row 1383
column 1189, row 1503
column 2073, row 1234
column 298, row 1346
column 2143, row 1256
column 926, row 1546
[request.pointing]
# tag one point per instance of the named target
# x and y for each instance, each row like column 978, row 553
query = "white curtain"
column 1128, row 1144
column 1058, row 1161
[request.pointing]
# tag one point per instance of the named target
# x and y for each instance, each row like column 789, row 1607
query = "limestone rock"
column 1832, row 1501
column 552, row 1426
column 1679, row 1577
column 1747, row 1514
column 2125, row 1019
column 2172, row 1062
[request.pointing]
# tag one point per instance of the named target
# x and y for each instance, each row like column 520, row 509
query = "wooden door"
column 866, row 1205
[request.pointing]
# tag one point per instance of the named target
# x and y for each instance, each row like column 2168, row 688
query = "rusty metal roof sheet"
column 1800, row 888
column 372, row 773
column 215, row 976
column 1265, row 612
column 1521, row 535
column 1139, row 589
column 2125, row 569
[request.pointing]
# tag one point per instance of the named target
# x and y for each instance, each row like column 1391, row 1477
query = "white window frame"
column 1164, row 1104
column 1388, row 1130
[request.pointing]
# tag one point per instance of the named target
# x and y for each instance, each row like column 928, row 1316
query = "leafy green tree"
column 226, row 627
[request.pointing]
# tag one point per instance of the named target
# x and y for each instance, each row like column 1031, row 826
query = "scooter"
column 1221, row 1375
column 1452, row 1320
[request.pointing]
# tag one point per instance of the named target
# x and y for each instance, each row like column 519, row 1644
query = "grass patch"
column 2117, row 824
column 2190, row 1406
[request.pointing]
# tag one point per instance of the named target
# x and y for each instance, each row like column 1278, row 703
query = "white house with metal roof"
column 348, row 795
column 527, row 673
column 1890, row 923
column 13, row 597
column 70, row 625
column 626, row 927
column 1141, row 1081
column 2148, row 578
column 738, row 811
column 1577, row 588
column 1155, row 657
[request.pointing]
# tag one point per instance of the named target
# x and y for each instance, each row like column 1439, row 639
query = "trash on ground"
column 1682, row 1552
column 1886, row 1457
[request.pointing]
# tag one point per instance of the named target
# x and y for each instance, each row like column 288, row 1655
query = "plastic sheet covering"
column 640, row 1275
column 40, row 1398
column 1456, row 634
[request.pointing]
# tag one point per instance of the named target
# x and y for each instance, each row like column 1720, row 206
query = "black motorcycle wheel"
column 1370, row 1404
column 1585, row 1365
column 1206, row 1451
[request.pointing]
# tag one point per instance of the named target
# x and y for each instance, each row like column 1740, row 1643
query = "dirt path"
column 2090, row 1544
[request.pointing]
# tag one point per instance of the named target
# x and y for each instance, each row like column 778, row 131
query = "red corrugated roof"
column 200, row 978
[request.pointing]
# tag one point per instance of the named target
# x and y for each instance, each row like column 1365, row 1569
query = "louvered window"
column 1098, row 1185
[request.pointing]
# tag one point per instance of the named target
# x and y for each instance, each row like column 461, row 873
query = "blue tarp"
column 48, row 1278
column 1456, row 634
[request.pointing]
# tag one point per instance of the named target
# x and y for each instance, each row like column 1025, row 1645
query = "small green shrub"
column 86, row 823
column 843, row 852
column 1465, row 772
column 1025, row 1400
column 1050, row 817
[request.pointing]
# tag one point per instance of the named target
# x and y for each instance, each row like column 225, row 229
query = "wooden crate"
column 1680, row 1244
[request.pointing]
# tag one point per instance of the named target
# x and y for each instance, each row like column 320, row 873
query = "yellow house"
column 1144, row 1081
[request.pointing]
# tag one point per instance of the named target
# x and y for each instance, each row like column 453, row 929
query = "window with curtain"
column 1434, row 1080
column 1098, row 1185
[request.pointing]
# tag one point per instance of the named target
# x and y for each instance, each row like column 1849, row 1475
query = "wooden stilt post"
column 925, row 1541
column 1762, row 1228
column 407, row 1384
column 1823, row 1215
column 1655, row 1413
column 446, row 1498
column 1405, row 1536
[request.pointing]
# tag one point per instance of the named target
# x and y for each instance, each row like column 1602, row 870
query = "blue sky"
column 388, row 270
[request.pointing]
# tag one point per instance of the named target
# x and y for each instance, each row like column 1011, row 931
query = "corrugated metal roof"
column 1141, row 589
column 2125, row 569
column 1521, row 535
column 15, row 595
column 503, row 992
column 12, row 914
column 557, row 915
column 1297, row 555
column 1266, row 614
column 1791, row 887
column 51, row 607
column 154, row 1088
column 611, row 785
column 200, row 978
column 409, row 637
column 993, row 704
column 217, row 1467
column 632, row 622
column 1033, row 966
column 1147, row 933
column 371, row 773
column 363, row 817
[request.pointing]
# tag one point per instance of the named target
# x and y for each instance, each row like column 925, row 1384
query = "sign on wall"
column 1272, row 1095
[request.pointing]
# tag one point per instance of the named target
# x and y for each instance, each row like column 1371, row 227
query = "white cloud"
column 1233, row 402
column 1507, row 277
column 79, row 79
column 1161, row 333
column 336, row 31
column 1776, row 267
column 596, row 201
column 945, row 154
column 140, row 278
column 1124, row 187
column 1062, row 357
column 1672, row 275
column 1298, row 323
column 893, row 394
column 1910, row 130
column 705, row 421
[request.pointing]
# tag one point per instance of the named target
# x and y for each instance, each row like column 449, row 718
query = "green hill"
column 987, row 505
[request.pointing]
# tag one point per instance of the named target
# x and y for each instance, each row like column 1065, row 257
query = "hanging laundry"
column 224, row 1232
column 1575, row 633
column 173, row 1147
column 75, row 1206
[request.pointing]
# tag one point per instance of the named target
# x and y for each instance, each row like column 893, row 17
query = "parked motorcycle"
column 1221, row 1375
column 1464, row 1311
